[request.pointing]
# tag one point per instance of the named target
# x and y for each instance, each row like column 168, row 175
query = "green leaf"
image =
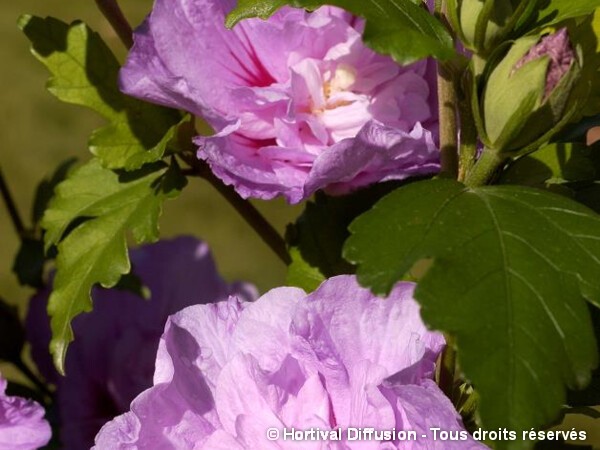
column 301, row 273
column 400, row 28
column 85, row 72
column 29, row 262
column 89, row 218
column 317, row 237
column 511, row 266
column 558, row 10
column 132, row 283
column 316, row 240
column 45, row 190
column 590, row 396
column 556, row 163
column 589, row 195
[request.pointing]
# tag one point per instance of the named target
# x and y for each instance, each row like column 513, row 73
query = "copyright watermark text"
column 434, row 434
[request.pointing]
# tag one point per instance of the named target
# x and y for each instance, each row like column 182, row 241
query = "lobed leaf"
column 317, row 237
column 555, row 11
column 399, row 28
column 28, row 265
column 511, row 268
column 556, row 163
column 85, row 72
column 89, row 218
column 29, row 262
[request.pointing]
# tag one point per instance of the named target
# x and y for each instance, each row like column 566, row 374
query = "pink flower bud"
column 556, row 46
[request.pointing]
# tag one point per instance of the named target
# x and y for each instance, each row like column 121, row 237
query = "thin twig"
column 250, row 214
column 33, row 377
column 111, row 10
column 11, row 206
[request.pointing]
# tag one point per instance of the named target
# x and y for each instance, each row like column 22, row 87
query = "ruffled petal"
column 22, row 424
column 377, row 153
column 298, row 88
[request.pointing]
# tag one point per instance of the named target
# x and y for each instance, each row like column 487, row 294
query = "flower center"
column 342, row 80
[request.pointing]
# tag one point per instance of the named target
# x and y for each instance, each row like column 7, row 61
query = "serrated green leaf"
column 511, row 266
column 317, row 237
column 85, row 72
column 29, row 262
column 89, row 219
column 28, row 265
column 556, row 163
column 558, row 10
column 45, row 190
column 130, row 282
column 590, row 396
column 399, row 28
column 589, row 195
column 301, row 274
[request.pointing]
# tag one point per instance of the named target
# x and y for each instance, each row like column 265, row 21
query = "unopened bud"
column 527, row 92
column 558, row 48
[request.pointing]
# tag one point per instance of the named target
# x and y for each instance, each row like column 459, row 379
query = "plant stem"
column 254, row 218
column 447, row 104
column 447, row 99
column 468, row 140
column 484, row 169
column 32, row 377
column 11, row 206
column 250, row 214
column 111, row 10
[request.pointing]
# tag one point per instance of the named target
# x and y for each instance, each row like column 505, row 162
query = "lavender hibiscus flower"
column 112, row 358
column 298, row 102
column 228, row 372
column 22, row 424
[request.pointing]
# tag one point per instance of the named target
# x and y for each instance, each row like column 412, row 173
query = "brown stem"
column 33, row 377
column 111, row 10
column 11, row 206
column 252, row 216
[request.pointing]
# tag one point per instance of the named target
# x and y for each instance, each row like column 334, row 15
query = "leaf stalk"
column 468, row 140
column 485, row 168
column 33, row 378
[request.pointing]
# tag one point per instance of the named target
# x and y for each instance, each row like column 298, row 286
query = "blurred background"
column 37, row 133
